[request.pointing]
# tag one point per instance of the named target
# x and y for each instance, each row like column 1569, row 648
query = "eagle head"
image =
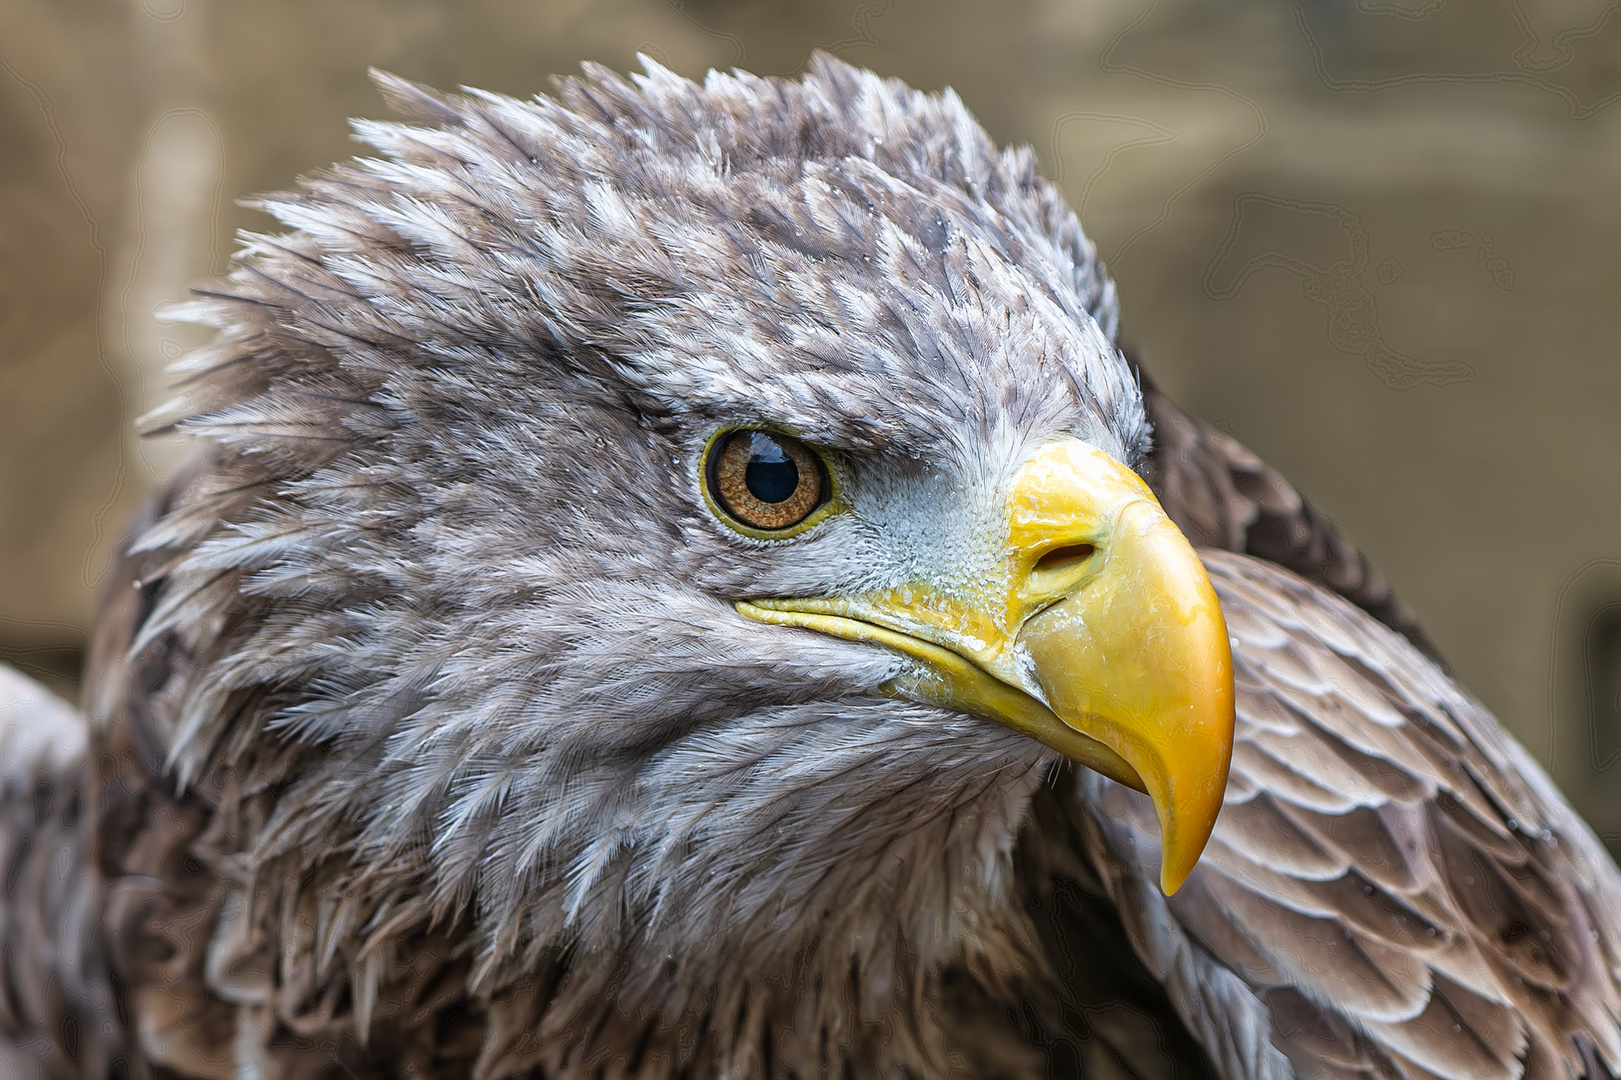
column 678, row 523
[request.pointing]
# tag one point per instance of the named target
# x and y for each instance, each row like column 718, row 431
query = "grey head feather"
column 471, row 651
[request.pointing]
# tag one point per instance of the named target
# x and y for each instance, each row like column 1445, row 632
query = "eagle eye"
column 765, row 480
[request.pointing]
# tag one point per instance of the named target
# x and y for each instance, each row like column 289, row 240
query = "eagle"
column 681, row 580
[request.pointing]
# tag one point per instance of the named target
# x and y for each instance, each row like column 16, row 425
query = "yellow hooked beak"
column 1101, row 637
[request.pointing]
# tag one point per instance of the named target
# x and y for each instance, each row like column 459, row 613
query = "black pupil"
column 771, row 475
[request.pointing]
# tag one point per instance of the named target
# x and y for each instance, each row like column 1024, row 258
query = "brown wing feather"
column 1394, row 882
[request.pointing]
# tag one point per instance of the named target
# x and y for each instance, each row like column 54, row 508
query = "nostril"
column 1064, row 558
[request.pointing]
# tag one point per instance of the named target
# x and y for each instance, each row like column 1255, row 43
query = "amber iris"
column 765, row 480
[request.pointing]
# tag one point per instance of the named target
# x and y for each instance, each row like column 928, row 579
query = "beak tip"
column 1188, row 802
column 1177, row 864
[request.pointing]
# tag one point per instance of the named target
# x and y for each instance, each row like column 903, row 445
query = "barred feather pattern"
column 1394, row 888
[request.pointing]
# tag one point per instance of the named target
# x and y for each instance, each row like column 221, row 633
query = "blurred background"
column 1378, row 241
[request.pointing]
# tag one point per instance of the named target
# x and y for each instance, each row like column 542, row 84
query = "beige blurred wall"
column 1377, row 241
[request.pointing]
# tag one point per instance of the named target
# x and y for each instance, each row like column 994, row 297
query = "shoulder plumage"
column 1394, row 887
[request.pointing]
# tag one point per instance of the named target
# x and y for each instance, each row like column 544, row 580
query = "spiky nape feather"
column 464, row 650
